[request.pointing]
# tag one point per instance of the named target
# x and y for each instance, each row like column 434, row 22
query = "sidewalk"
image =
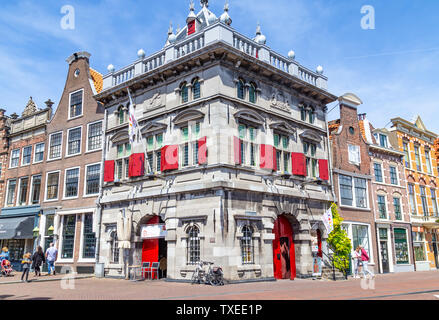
column 16, row 277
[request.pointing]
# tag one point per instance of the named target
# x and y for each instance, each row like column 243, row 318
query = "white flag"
column 327, row 220
column 132, row 119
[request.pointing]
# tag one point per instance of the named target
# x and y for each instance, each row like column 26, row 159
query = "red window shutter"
column 237, row 150
column 257, row 54
column 274, row 159
column 202, row 151
column 298, row 161
column 323, row 169
column 109, row 171
column 191, row 27
column 267, row 157
column 169, row 159
column 136, row 166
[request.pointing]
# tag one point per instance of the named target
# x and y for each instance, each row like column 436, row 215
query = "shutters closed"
column 268, row 157
column 109, row 171
column 136, row 166
column 298, row 164
column 323, row 169
column 169, row 158
column 202, row 151
column 237, row 150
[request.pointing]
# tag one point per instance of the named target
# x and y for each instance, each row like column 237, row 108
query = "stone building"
column 421, row 172
column 352, row 178
column 231, row 162
column 22, row 199
column 390, row 200
column 70, row 182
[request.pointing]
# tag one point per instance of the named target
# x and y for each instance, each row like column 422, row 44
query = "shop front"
column 18, row 231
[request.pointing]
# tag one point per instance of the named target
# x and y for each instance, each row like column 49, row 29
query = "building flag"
column 132, row 130
column 327, row 220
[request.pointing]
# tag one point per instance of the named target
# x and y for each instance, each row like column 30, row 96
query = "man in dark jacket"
column 37, row 260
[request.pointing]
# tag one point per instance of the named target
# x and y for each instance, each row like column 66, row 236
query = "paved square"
column 401, row 286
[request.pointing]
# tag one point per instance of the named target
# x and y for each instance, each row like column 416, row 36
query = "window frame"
column 191, row 142
column 67, row 155
column 46, row 186
column 12, row 158
column 30, row 156
column 354, row 193
column 35, row 152
column 190, row 250
column 382, row 205
column 358, row 151
column 20, row 184
column 88, row 136
column 375, row 171
column 84, row 193
column 50, row 146
column 248, row 146
column 61, row 239
column 70, row 104
column 32, row 189
column 247, row 242
column 14, row 196
column 82, row 240
column 65, row 183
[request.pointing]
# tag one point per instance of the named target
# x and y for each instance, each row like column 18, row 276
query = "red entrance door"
column 150, row 250
column 284, row 260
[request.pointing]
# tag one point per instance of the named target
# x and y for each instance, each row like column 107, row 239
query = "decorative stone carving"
column 280, row 101
column 30, row 108
column 155, row 102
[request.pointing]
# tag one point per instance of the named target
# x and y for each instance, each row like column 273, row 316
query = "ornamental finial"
column 204, row 3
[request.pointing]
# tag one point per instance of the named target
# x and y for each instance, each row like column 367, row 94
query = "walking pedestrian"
column 37, row 260
column 51, row 256
column 357, row 262
column 26, row 262
column 365, row 260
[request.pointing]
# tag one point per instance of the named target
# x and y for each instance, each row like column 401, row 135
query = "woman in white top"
column 357, row 261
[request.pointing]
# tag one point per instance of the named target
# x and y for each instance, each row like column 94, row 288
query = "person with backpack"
column 37, row 260
column 365, row 260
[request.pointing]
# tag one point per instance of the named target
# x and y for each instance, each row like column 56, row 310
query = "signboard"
column 153, row 231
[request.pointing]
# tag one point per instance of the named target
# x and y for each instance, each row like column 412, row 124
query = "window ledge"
column 74, row 118
column 92, row 151
column 249, row 267
column 72, row 155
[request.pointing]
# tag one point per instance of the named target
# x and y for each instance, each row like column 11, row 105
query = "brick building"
column 22, row 198
column 4, row 151
column 421, row 171
column 70, row 183
column 232, row 159
column 390, row 200
column 351, row 177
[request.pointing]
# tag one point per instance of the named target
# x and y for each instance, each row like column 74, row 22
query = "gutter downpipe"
column 101, row 178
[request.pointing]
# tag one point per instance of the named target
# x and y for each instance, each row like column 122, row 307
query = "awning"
column 17, row 228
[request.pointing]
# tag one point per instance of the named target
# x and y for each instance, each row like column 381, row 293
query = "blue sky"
column 393, row 69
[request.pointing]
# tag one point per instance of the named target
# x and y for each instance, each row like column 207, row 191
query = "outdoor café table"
column 134, row 270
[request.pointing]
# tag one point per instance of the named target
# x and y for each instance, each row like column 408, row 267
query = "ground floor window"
column 418, row 246
column 15, row 247
column 247, row 245
column 68, row 236
column 89, row 239
column 401, row 246
column 114, row 248
column 360, row 236
column 193, row 245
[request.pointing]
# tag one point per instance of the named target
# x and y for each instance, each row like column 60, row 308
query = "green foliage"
column 339, row 242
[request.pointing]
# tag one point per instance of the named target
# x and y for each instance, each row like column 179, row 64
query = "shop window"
column 68, row 236
column 193, row 245
column 418, row 246
column 360, row 236
column 89, row 239
column 247, row 245
column 401, row 246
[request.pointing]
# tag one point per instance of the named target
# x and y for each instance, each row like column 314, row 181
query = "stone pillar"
column 302, row 245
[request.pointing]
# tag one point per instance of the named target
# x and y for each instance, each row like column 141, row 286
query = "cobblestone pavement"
column 401, row 286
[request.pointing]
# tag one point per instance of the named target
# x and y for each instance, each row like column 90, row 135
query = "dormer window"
column 382, row 138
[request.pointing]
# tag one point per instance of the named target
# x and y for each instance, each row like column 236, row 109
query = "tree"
column 339, row 242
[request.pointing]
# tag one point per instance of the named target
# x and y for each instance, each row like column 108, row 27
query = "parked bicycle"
column 213, row 276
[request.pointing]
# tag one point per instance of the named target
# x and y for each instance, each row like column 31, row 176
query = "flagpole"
column 133, row 125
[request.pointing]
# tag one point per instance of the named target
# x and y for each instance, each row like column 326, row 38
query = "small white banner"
column 327, row 220
column 153, row 231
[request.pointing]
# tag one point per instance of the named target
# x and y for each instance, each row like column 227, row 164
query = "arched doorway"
column 284, row 258
column 154, row 249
